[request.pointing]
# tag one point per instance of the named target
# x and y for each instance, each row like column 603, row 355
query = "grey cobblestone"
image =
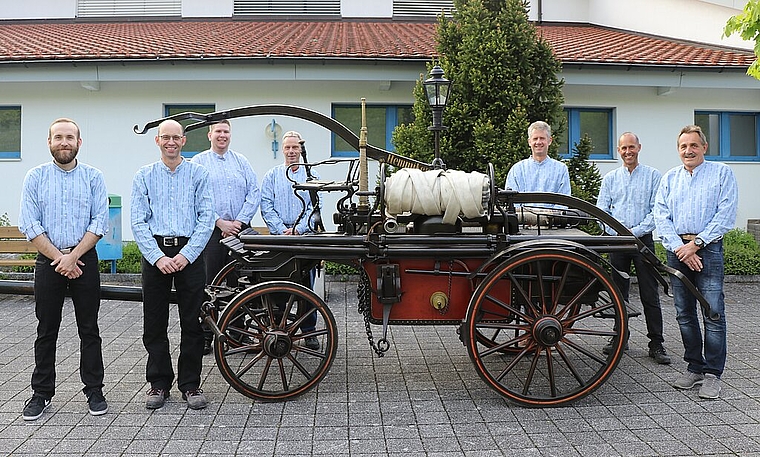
column 423, row 398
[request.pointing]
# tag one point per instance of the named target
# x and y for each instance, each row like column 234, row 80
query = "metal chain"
column 445, row 308
column 364, row 292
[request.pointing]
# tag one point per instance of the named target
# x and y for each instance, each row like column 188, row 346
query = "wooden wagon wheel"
column 557, row 296
column 228, row 275
column 263, row 355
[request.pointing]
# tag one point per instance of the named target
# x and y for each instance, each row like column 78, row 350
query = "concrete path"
column 423, row 399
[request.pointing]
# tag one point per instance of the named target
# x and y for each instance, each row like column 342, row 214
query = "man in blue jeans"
column 695, row 206
column 627, row 194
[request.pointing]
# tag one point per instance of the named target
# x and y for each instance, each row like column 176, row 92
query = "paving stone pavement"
column 423, row 399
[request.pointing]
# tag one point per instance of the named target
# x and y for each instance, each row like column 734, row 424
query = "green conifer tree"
column 504, row 77
column 585, row 179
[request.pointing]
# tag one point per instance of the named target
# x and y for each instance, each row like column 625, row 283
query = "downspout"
column 540, row 11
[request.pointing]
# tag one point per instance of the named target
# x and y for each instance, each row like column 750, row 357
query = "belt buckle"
column 65, row 251
column 170, row 241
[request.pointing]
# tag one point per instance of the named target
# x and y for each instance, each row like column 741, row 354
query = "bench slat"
column 12, row 241
column 16, row 247
column 11, row 232
column 17, row 262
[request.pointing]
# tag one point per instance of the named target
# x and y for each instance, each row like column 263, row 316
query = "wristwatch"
column 699, row 242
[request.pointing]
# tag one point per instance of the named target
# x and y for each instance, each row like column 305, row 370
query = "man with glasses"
column 172, row 219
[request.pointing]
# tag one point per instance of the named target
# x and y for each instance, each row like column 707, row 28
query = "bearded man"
column 64, row 212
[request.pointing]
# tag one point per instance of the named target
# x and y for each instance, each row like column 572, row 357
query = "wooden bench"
column 12, row 241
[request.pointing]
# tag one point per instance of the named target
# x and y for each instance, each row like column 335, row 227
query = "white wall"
column 38, row 9
column 366, row 8
column 205, row 8
column 694, row 20
column 107, row 116
column 657, row 121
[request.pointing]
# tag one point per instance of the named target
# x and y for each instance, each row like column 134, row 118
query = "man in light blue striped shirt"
column 64, row 212
column 280, row 208
column 235, row 190
column 172, row 219
column 695, row 206
column 539, row 172
column 627, row 194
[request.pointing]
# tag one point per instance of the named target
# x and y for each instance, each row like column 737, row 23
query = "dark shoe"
column 311, row 342
column 609, row 347
column 659, row 355
column 710, row 387
column 207, row 346
column 688, row 380
column 34, row 407
column 195, row 399
column 156, row 398
column 97, row 403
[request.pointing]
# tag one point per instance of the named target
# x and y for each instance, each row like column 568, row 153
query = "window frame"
column 13, row 155
column 724, row 142
column 203, row 108
column 574, row 131
column 391, row 121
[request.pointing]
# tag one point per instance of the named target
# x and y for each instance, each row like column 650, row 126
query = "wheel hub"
column 277, row 344
column 547, row 331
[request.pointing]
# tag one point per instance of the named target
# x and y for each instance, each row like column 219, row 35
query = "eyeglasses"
column 171, row 137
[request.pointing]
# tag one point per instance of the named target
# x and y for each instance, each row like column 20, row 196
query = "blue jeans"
column 709, row 282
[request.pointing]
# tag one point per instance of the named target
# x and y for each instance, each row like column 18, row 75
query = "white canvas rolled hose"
column 436, row 192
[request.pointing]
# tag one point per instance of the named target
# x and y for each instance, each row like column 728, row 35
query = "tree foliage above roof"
column 504, row 77
column 747, row 25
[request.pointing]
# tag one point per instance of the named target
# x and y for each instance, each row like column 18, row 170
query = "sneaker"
column 97, row 403
column 609, row 347
column 688, row 380
column 156, row 398
column 659, row 355
column 195, row 399
column 311, row 342
column 710, row 387
column 34, row 407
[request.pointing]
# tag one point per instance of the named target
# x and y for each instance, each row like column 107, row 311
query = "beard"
column 64, row 156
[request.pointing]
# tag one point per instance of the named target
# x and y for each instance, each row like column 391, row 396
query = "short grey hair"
column 540, row 125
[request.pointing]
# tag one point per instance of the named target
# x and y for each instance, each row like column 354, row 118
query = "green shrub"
column 741, row 253
column 129, row 261
column 334, row 268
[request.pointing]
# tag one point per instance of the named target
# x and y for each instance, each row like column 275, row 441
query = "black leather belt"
column 171, row 241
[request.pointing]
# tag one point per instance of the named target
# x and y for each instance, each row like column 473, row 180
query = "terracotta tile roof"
column 47, row 41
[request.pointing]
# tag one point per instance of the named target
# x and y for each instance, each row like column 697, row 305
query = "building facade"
column 110, row 65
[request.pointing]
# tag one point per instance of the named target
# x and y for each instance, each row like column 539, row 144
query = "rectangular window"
column 197, row 140
column 731, row 136
column 10, row 132
column 108, row 8
column 381, row 120
column 594, row 122
column 287, row 8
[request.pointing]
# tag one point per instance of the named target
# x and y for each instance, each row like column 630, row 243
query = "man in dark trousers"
column 172, row 219
column 64, row 212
